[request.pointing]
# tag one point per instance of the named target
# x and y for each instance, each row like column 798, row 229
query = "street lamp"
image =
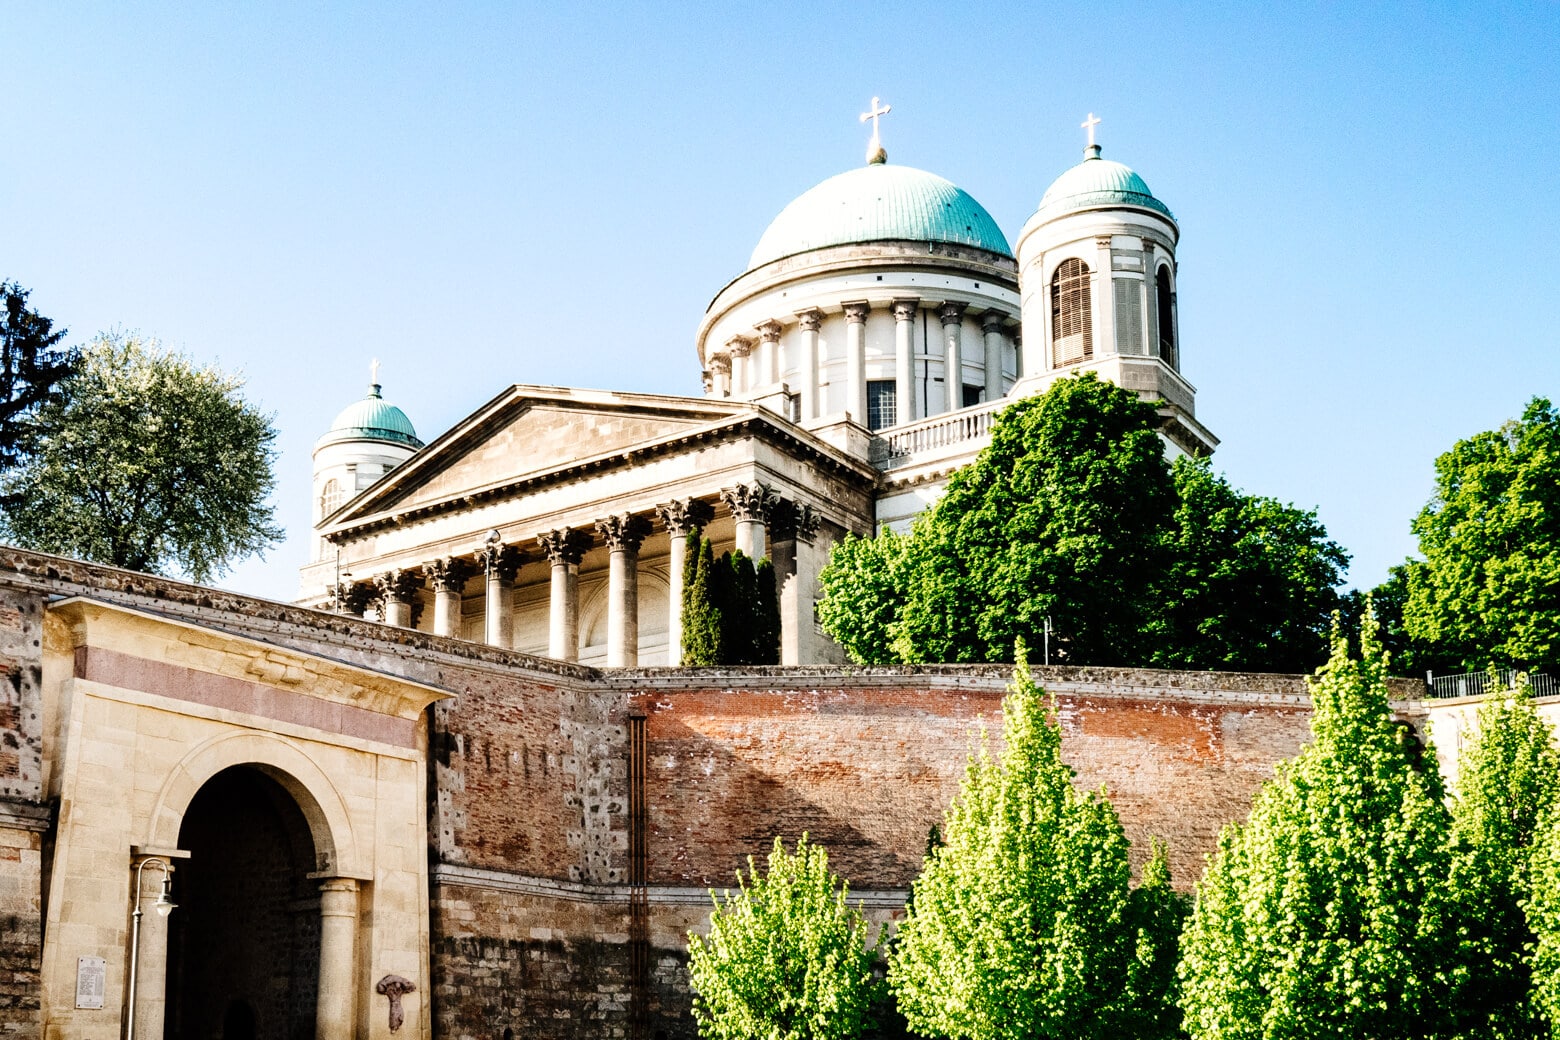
column 164, row 906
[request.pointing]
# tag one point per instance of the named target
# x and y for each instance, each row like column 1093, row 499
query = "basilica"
column 462, row 788
column 882, row 322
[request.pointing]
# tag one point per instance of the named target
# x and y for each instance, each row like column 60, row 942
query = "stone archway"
column 244, row 946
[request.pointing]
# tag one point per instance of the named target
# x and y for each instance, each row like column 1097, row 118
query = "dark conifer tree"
column 32, row 366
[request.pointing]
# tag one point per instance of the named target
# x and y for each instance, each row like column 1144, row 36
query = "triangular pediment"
column 532, row 430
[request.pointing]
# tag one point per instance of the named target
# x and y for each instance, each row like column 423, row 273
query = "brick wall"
column 21, row 930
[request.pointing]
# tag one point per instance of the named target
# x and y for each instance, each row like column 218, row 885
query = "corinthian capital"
column 448, row 574
column 397, row 584
column 904, row 310
column 951, row 313
column 752, row 501
column 739, row 346
column 810, row 319
column 624, row 531
column 685, row 515
column 768, row 331
column 992, row 321
column 564, row 545
column 498, row 560
column 856, row 313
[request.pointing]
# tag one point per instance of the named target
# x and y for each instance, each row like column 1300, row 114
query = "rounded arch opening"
column 1164, row 299
column 1072, row 314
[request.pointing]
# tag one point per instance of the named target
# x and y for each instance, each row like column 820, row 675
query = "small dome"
column 1098, row 183
column 372, row 418
column 877, row 203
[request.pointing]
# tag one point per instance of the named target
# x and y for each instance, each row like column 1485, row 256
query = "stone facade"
column 531, row 849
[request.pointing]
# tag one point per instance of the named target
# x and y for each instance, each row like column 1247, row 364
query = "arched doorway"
column 244, row 945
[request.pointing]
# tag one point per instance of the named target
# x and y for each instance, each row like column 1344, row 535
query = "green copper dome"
column 372, row 418
column 1098, row 183
column 877, row 203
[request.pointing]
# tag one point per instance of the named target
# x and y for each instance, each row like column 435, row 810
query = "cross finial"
column 875, row 152
column 1089, row 125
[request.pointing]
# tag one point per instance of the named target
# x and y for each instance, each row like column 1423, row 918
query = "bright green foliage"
column 32, row 367
column 1063, row 515
column 145, row 462
column 1250, row 582
column 731, row 609
column 786, row 958
column 862, row 592
column 1155, row 915
column 1488, row 589
column 1508, row 782
column 1021, row 924
column 1327, row 913
column 1406, row 653
column 701, row 619
column 1543, row 915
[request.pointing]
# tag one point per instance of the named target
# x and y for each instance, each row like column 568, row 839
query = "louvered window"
column 1165, row 312
column 1072, row 321
column 330, row 497
column 882, row 396
column 1129, row 316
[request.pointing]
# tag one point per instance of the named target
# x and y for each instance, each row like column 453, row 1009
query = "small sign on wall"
column 90, row 975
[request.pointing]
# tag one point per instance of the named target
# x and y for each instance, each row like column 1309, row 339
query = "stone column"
column 335, row 1014
column 769, row 338
column 151, row 976
column 396, row 589
column 750, row 506
column 810, row 321
column 564, row 549
column 720, row 372
column 448, row 576
column 856, row 358
column 991, row 326
column 904, row 360
column 739, row 347
column 1104, row 300
column 623, row 535
column 795, row 591
column 500, row 563
column 681, row 518
column 952, row 315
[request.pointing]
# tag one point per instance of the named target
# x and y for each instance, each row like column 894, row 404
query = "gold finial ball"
column 876, row 155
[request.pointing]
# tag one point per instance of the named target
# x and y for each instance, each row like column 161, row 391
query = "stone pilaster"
column 793, row 525
column 952, row 315
column 335, row 1014
column 856, row 358
column 448, row 578
column 681, row 518
column 623, row 534
column 811, row 320
column 1104, row 299
column 769, row 351
column 564, row 548
column 750, row 506
column 904, row 360
column 991, row 327
column 500, row 563
column 396, row 590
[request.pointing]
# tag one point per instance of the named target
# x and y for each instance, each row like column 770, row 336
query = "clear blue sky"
column 486, row 194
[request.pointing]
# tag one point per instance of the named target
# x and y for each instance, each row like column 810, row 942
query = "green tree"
column 1326, row 914
column 863, row 590
column 701, row 619
column 766, row 618
column 1064, row 516
column 32, row 367
column 787, row 957
column 1488, row 588
column 148, row 462
column 1543, row 915
column 1251, row 581
column 1022, row 923
column 1508, row 784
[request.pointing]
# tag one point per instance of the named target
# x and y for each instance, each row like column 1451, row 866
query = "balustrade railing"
column 939, row 431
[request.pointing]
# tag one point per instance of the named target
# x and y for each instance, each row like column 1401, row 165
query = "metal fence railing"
column 1474, row 684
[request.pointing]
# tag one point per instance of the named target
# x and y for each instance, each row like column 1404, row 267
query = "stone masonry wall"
column 23, row 815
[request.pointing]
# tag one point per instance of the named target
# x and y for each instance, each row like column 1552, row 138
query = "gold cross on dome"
column 1089, row 125
column 875, row 153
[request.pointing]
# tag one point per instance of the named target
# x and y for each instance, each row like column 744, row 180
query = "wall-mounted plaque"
column 90, row 973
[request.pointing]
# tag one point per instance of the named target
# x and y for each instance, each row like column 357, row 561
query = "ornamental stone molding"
column 769, row 331
column 753, row 501
column 992, row 321
column 1102, row 242
column 905, row 309
column 739, row 346
column 564, row 545
column 856, row 313
column 623, row 531
column 499, row 560
column 399, row 585
column 448, row 574
column 685, row 515
column 720, row 364
column 811, row 319
column 951, row 313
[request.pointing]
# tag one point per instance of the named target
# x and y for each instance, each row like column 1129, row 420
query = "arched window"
column 330, row 497
column 1072, row 318
column 1166, row 313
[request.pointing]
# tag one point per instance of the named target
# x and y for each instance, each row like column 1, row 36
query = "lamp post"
column 164, row 906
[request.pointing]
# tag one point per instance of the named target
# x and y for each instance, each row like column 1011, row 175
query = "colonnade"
column 760, row 514
column 749, row 363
